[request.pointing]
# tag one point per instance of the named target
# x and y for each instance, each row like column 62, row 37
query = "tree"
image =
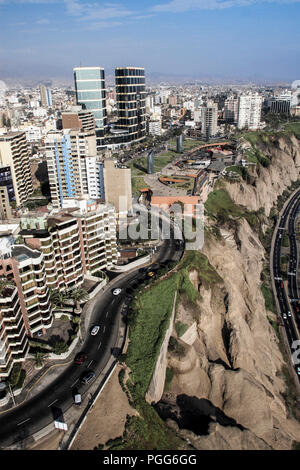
column 60, row 347
column 57, row 298
column 78, row 295
column 39, row 358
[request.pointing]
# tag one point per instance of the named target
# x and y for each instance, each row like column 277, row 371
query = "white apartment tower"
column 67, row 152
column 249, row 112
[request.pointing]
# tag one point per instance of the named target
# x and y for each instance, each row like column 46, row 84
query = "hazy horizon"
column 234, row 40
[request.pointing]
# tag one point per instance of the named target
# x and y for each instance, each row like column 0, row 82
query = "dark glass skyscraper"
column 91, row 95
column 130, row 89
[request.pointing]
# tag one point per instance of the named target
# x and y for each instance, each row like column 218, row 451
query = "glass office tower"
column 130, row 89
column 91, row 95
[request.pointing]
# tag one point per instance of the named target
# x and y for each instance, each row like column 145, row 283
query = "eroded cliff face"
column 272, row 181
column 228, row 389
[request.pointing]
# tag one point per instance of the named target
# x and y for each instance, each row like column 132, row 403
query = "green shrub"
column 60, row 347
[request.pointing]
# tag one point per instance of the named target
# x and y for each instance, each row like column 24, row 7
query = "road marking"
column 74, row 383
column 90, row 363
column 53, row 403
column 107, row 314
column 25, row 421
column 99, row 345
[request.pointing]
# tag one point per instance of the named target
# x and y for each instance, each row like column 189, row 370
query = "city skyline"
column 47, row 38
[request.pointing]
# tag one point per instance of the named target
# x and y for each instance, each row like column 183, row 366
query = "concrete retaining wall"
column 134, row 264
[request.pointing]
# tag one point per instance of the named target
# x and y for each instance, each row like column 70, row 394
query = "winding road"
column 38, row 412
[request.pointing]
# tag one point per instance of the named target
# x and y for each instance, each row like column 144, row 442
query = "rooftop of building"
column 22, row 252
column 10, row 135
column 157, row 200
column 217, row 166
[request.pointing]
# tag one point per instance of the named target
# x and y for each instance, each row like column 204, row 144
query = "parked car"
column 80, row 358
column 117, row 291
column 95, row 330
column 88, row 377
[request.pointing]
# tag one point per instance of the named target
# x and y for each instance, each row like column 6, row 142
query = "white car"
column 289, row 314
column 284, row 316
column 95, row 330
column 298, row 370
column 117, row 291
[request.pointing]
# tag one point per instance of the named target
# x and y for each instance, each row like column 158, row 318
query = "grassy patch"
column 168, row 379
column 148, row 432
column 196, row 260
column 180, row 328
column 268, row 296
column 149, row 320
column 220, row 207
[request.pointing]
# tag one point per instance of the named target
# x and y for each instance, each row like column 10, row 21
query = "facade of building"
column 281, row 103
column 249, row 113
column 25, row 307
column 154, row 127
column 46, row 97
column 13, row 340
column 7, row 194
column 117, row 184
column 131, row 95
column 57, row 238
column 209, row 120
column 79, row 240
column 78, row 119
column 14, row 153
column 95, row 178
column 97, row 234
column 66, row 154
column 91, row 95
column 231, row 109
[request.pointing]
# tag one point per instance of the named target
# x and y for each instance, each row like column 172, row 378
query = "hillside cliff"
column 228, row 390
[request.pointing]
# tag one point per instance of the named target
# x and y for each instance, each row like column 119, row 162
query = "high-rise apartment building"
column 25, row 306
column 7, row 194
column 79, row 240
column 66, row 154
column 91, row 95
column 117, row 184
column 46, row 96
column 97, row 234
column 231, row 109
column 209, row 120
column 14, row 153
column 57, row 238
column 249, row 112
column 131, row 95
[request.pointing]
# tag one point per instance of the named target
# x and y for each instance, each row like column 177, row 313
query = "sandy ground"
column 107, row 418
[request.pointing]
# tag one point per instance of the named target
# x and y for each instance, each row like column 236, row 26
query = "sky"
column 230, row 39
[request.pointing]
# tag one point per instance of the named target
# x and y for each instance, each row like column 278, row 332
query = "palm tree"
column 78, row 295
column 39, row 358
column 57, row 298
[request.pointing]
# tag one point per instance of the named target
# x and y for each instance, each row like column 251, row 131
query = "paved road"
column 36, row 413
column 289, row 305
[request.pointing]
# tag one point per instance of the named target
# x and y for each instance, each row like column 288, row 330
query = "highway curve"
column 26, row 419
